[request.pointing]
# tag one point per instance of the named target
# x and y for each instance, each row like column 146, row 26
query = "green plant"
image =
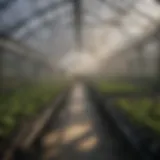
column 24, row 102
column 138, row 110
column 143, row 111
column 111, row 87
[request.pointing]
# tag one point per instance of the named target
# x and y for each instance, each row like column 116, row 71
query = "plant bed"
column 142, row 138
column 118, row 87
column 25, row 106
column 139, row 103
column 144, row 111
column 110, row 127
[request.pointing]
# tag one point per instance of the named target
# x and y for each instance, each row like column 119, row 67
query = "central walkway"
column 78, row 134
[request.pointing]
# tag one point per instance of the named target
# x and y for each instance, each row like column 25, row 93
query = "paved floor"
column 77, row 133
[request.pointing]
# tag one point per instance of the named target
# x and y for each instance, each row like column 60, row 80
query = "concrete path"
column 77, row 133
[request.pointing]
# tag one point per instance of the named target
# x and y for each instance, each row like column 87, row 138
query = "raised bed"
column 33, row 118
column 138, row 102
column 140, row 138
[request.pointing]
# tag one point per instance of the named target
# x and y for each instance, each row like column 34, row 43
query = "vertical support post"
column 1, row 69
column 141, row 63
column 77, row 12
column 158, row 71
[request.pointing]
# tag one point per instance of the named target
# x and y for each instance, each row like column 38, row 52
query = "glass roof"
column 42, row 21
column 47, row 25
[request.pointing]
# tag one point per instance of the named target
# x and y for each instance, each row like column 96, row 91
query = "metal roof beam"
column 114, row 6
column 5, row 4
column 40, row 12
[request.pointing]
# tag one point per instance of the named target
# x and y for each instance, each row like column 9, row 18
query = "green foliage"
column 139, row 111
column 24, row 102
column 111, row 87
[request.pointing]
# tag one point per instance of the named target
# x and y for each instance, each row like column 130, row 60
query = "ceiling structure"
column 35, row 21
column 48, row 25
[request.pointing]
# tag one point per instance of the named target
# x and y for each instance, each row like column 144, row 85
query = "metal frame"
column 21, row 23
column 5, row 4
